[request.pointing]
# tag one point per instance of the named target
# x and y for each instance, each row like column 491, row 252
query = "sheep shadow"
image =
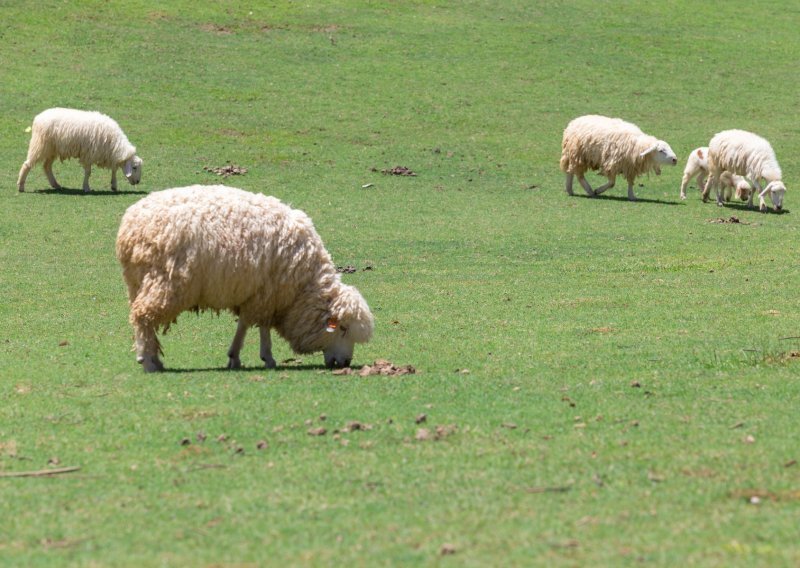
column 249, row 369
column 624, row 198
column 745, row 208
column 94, row 192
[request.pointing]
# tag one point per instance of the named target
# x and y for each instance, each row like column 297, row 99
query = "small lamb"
column 92, row 137
column 697, row 165
column 612, row 147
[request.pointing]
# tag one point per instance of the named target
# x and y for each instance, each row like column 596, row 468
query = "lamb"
column 221, row 248
column 92, row 137
column 697, row 165
column 612, row 147
column 746, row 154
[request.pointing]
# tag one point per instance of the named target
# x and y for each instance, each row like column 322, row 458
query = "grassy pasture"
column 615, row 382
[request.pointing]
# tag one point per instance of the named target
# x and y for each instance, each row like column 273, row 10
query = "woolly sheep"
column 220, row 248
column 92, row 137
column 612, row 147
column 697, row 165
column 749, row 155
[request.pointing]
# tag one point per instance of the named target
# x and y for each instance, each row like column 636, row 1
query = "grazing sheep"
column 612, row 147
column 746, row 154
column 220, row 248
column 92, row 137
column 697, row 165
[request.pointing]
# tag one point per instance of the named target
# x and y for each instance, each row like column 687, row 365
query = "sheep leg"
column 48, row 170
column 687, row 177
column 701, row 181
column 712, row 181
column 147, row 346
column 762, row 204
column 631, row 196
column 87, row 171
column 569, row 184
column 266, row 347
column 586, row 187
column 114, row 178
column 23, row 174
column 611, row 181
column 236, row 346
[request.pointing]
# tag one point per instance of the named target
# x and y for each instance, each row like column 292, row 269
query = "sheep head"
column 132, row 168
column 349, row 322
column 661, row 154
column 776, row 191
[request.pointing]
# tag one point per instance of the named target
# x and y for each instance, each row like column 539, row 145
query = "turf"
column 603, row 382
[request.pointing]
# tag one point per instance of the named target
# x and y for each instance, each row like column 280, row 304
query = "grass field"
column 612, row 383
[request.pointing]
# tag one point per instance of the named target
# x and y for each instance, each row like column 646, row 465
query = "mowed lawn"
column 599, row 383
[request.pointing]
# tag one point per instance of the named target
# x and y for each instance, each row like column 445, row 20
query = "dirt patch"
column 732, row 220
column 349, row 269
column 226, row 170
column 379, row 367
column 396, row 171
column 317, row 431
column 356, row 426
column 216, row 29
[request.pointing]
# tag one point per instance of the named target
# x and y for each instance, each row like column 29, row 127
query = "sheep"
column 746, row 154
column 92, row 137
column 221, row 248
column 613, row 147
column 697, row 165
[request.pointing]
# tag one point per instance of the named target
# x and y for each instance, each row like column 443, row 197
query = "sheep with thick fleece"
column 746, row 154
column 91, row 137
column 697, row 165
column 612, row 147
column 220, row 248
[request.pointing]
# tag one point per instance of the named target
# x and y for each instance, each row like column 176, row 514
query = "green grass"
column 556, row 307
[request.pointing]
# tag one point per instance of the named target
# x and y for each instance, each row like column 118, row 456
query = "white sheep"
column 92, row 137
column 697, row 165
column 749, row 155
column 220, row 248
column 612, row 147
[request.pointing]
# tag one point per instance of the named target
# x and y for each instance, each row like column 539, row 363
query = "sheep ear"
column 650, row 149
column 332, row 324
column 127, row 168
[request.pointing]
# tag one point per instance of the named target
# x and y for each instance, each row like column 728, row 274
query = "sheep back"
column 611, row 146
column 91, row 137
column 743, row 153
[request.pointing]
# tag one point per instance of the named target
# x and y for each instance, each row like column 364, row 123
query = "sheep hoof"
column 151, row 365
column 234, row 363
column 270, row 363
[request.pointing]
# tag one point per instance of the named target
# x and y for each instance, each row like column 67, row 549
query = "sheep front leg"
column 87, row 171
column 147, row 347
column 631, row 196
column 48, row 170
column 114, row 178
column 762, row 204
column 586, row 187
column 23, row 174
column 712, row 181
column 266, row 348
column 611, row 181
column 236, row 346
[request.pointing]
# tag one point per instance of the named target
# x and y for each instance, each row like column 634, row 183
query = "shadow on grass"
column 744, row 207
column 625, row 198
column 245, row 369
column 94, row 192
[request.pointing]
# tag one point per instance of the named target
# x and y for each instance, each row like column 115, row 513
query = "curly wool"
column 745, row 154
column 610, row 146
column 91, row 137
column 221, row 248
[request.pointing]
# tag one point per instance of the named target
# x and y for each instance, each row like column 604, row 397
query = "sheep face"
column 133, row 170
column 350, row 322
column 661, row 154
column 776, row 190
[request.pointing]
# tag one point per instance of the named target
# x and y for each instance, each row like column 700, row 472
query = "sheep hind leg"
column 23, row 175
column 87, row 171
column 586, row 187
column 568, row 187
column 236, row 346
column 266, row 347
column 114, row 178
column 48, row 170
column 631, row 196
column 611, row 181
